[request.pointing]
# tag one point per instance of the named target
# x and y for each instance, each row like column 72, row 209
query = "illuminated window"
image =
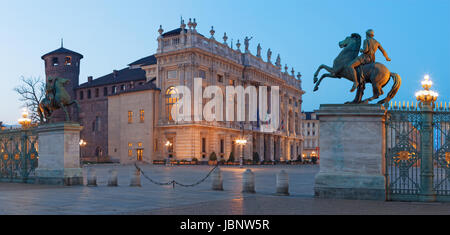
column 140, row 144
column 231, row 82
column 141, row 115
column 170, row 102
column 68, row 60
column 140, row 154
column 130, row 117
column 130, row 153
column 172, row 74
column 130, row 145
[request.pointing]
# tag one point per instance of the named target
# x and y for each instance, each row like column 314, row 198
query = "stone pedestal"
column 352, row 147
column 59, row 154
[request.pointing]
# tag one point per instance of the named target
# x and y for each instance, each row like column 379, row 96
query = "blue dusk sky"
column 110, row 34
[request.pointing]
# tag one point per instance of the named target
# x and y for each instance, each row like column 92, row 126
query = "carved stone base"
column 59, row 154
column 352, row 152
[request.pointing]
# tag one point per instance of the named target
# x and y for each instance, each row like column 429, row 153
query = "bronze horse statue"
column 375, row 73
column 56, row 97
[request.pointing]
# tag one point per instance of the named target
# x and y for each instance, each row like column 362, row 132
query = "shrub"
column 231, row 158
column 194, row 159
column 256, row 157
column 213, row 157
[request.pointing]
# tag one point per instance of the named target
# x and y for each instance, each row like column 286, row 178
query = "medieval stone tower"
column 63, row 63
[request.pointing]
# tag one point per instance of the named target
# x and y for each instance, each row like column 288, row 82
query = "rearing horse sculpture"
column 56, row 98
column 375, row 73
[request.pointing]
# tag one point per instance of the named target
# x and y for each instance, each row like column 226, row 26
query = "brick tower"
column 64, row 63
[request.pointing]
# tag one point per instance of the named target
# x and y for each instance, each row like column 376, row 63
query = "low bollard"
column 112, row 180
column 283, row 183
column 135, row 177
column 217, row 182
column 248, row 182
column 92, row 178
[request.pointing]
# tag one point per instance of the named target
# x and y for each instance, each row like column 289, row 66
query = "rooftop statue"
column 269, row 56
column 258, row 51
column 247, row 43
column 361, row 69
column 56, row 97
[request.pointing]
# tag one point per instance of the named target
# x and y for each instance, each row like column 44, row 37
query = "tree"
column 213, row 157
column 256, row 157
column 31, row 91
column 231, row 158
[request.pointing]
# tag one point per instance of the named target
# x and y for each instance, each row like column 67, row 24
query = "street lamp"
column 427, row 99
column 427, row 96
column 168, row 146
column 242, row 142
column 24, row 121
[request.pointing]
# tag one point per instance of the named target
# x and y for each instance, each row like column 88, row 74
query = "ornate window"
column 170, row 102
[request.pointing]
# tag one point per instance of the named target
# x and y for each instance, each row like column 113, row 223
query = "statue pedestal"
column 352, row 152
column 59, row 154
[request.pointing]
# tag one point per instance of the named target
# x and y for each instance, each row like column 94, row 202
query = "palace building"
column 127, row 114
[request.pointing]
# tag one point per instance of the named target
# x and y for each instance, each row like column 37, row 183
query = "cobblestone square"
column 154, row 199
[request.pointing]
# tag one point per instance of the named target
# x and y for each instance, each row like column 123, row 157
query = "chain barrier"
column 174, row 182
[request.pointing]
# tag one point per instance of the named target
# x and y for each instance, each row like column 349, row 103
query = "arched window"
column 68, row 60
column 170, row 102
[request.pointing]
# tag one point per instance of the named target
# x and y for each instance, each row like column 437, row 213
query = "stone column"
column 59, row 154
column 352, row 164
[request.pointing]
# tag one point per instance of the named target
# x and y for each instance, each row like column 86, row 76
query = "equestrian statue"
column 361, row 69
column 56, row 97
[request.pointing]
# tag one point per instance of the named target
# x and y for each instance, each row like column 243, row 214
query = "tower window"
column 68, row 60
column 55, row 61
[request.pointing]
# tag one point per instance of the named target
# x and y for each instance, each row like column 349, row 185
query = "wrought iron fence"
column 403, row 153
column 441, row 153
column 18, row 155
column 406, row 160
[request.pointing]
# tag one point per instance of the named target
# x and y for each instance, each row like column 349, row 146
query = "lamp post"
column 24, row 121
column 168, row 146
column 427, row 99
column 82, row 145
column 242, row 142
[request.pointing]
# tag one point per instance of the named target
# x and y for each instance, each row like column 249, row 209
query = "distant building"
column 311, row 128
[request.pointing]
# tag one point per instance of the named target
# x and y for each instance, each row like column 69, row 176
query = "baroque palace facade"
column 127, row 114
